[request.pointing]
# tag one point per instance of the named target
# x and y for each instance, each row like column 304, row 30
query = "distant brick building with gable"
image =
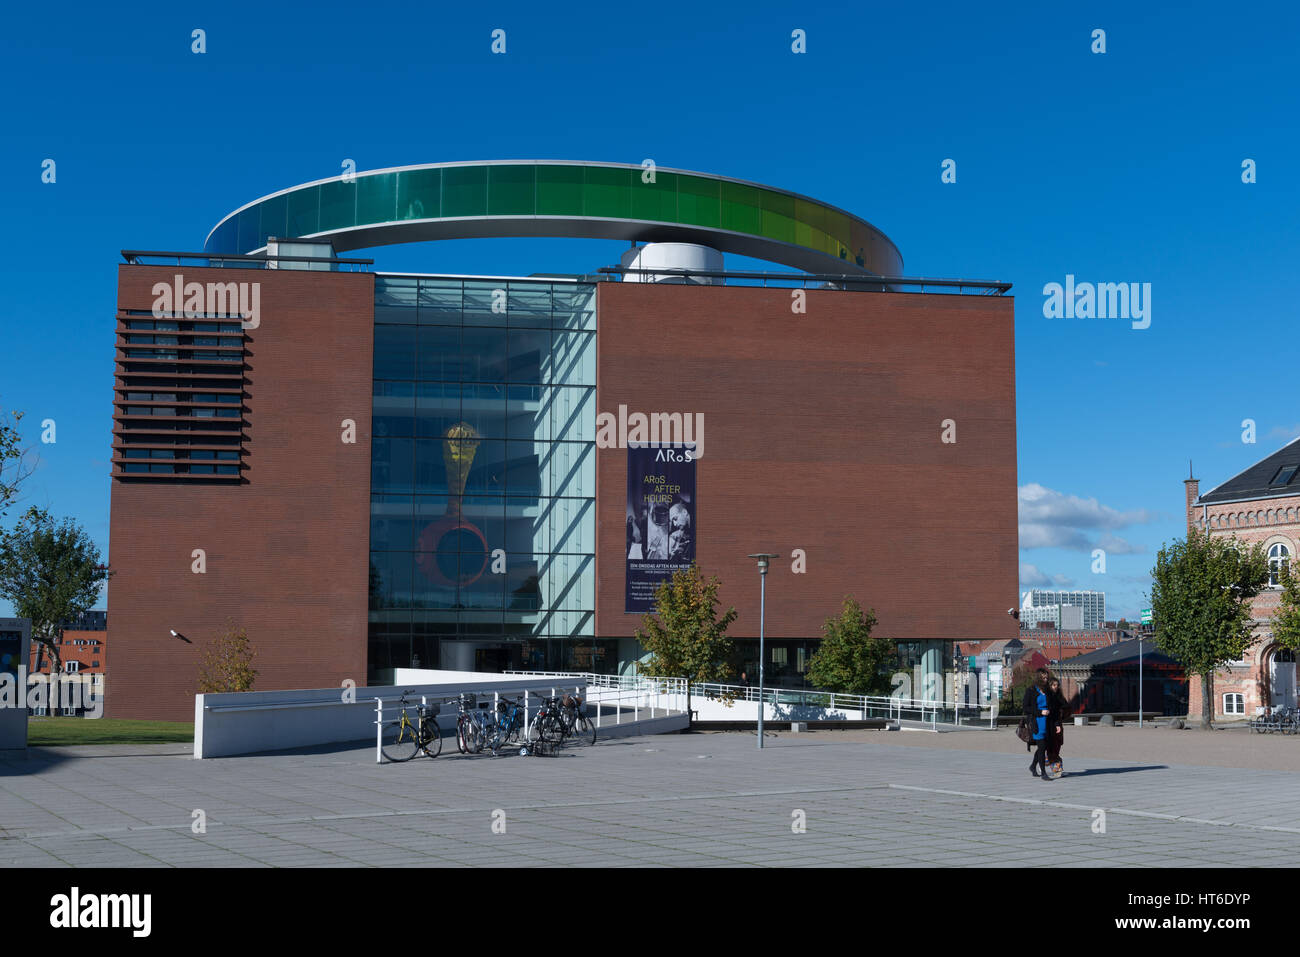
column 1258, row 505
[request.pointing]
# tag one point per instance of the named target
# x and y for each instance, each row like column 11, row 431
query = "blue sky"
column 1115, row 167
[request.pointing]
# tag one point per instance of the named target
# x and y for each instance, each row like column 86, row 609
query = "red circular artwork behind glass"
column 452, row 552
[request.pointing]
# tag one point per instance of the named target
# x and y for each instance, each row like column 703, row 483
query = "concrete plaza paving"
column 674, row 800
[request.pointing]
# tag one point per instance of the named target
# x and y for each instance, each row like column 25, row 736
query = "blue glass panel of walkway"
column 561, row 198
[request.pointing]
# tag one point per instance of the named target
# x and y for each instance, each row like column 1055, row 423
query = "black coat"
column 1031, row 710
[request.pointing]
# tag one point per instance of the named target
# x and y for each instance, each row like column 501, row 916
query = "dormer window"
column 1284, row 476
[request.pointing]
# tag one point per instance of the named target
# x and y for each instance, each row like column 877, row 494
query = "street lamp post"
column 1140, row 688
column 763, row 558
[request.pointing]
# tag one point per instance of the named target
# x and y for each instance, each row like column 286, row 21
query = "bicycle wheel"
column 553, row 734
column 586, row 731
column 433, row 747
column 475, row 736
column 399, row 740
column 497, row 737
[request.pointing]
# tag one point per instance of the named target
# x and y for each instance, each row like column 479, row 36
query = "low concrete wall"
column 255, row 721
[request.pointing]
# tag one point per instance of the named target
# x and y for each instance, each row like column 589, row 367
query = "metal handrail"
column 928, row 709
column 578, row 684
column 987, row 287
column 251, row 261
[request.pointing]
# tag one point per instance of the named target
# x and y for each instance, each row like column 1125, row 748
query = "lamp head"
column 763, row 560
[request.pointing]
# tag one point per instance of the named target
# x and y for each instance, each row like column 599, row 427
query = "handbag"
column 1023, row 732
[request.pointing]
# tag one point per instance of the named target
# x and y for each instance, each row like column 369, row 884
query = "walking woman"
column 1056, row 738
column 1043, row 715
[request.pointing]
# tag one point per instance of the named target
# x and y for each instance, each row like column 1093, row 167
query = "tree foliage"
column 51, row 572
column 685, row 636
column 1286, row 620
column 227, row 663
column 1013, row 690
column 1200, row 601
column 15, row 464
column 849, row 660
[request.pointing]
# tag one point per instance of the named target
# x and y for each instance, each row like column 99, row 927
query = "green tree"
column 1200, row 600
column 227, row 663
column 1013, row 692
column 849, row 660
column 685, row 636
column 14, row 462
column 1286, row 620
column 51, row 572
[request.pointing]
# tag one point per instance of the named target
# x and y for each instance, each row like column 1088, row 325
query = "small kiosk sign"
column 15, row 643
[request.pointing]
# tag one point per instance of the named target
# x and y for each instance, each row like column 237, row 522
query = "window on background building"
column 71, row 667
column 1279, row 557
column 1284, row 475
column 1234, row 703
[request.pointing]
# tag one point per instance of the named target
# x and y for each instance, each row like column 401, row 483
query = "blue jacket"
column 1035, row 702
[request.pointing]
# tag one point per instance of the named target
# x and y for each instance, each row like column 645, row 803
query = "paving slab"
column 1132, row 798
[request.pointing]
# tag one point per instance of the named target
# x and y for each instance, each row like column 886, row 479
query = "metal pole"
column 762, row 614
column 1140, row 682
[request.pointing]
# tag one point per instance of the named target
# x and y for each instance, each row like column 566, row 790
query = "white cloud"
column 1051, row 519
column 1045, row 506
column 1031, row 577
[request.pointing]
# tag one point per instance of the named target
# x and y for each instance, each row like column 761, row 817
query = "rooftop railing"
column 856, row 282
column 139, row 257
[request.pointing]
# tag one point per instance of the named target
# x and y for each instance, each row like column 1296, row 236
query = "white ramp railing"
column 610, row 696
column 718, row 701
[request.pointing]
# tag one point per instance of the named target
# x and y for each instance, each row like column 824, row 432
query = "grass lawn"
column 56, row 731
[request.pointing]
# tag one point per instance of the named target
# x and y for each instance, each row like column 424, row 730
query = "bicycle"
column 576, row 723
column 471, row 726
column 508, row 726
column 1288, row 720
column 403, row 739
column 1281, row 720
column 546, row 733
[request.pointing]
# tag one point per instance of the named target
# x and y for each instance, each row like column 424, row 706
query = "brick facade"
column 1268, row 522
column 823, row 433
column 285, row 548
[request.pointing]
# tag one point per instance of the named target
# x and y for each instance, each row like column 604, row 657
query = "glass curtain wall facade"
column 483, row 475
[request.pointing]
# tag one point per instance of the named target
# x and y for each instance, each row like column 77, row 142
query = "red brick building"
column 82, row 652
column 386, row 471
column 1259, row 505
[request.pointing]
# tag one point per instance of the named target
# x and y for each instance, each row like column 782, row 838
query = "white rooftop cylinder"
column 670, row 256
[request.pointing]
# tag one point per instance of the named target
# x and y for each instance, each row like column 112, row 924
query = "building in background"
column 1061, row 617
column 96, row 620
column 84, row 665
column 1258, row 505
column 366, row 470
column 1108, row 680
column 1038, row 605
column 993, row 662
